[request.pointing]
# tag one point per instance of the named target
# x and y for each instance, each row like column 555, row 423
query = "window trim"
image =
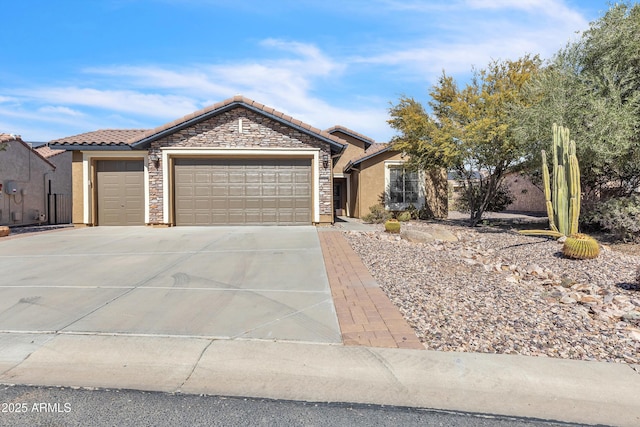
column 393, row 164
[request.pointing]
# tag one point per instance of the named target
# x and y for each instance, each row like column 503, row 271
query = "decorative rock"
column 4, row 231
column 485, row 293
column 566, row 299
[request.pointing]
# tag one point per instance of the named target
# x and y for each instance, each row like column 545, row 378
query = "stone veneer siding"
column 222, row 131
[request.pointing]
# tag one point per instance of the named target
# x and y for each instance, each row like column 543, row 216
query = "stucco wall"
column 77, row 215
column 529, row 198
column 223, row 131
column 355, row 148
column 20, row 165
column 372, row 180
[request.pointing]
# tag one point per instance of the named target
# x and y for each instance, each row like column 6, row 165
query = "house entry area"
column 213, row 191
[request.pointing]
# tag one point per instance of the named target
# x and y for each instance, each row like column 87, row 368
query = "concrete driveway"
column 221, row 282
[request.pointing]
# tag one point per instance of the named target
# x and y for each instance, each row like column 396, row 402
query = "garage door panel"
column 285, row 191
column 244, row 191
column 202, row 191
column 253, row 191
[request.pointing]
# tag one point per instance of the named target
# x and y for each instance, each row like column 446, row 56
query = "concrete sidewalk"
column 571, row 391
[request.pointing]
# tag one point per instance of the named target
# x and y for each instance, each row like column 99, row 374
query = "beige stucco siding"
column 355, row 148
column 372, row 180
column 77, row 188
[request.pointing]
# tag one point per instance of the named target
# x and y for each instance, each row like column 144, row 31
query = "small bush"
column 502, row 199
column 377, row 214
column 404, row 216
column 422, row 213
column 619, row 216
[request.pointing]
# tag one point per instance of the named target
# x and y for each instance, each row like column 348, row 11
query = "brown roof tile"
column 114, row 137
column 347, row 131
column 48, row 152
column 101, row 137
column 6, row 137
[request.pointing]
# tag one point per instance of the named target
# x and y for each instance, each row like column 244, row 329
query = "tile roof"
column 48, row 152
column 372, row 151
column 109, row 137
column 6, row 137
column 347, row 131
column 228, row 104
column 139, row 137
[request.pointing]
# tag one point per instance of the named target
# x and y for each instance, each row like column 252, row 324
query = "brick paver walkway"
column 366, row 315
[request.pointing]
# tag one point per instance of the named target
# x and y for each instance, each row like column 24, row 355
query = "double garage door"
column 212, row 191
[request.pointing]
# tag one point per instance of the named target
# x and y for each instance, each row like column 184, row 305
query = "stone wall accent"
column 223, row 131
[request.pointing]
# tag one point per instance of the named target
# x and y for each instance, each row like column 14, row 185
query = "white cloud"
column 474, row 32
column 116, row 100
column 66, row 111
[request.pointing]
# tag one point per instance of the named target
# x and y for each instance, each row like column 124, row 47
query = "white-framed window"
column 403, row 186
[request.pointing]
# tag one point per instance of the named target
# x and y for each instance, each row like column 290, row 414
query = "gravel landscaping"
column 496, row 291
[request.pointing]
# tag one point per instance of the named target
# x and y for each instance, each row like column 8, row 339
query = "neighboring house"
column 28, row 178
column 235, row 162
column 369, row 172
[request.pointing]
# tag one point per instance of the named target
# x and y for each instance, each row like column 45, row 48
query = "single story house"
column 29, row 181
column 237, row 162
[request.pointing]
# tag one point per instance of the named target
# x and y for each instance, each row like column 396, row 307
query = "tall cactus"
column 563, row 204
column 566, row 179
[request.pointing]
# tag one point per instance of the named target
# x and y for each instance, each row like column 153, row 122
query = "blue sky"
column 73, row 66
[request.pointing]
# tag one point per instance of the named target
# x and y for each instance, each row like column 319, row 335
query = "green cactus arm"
column 547, row 191
column 550, row 233
column 554, row 158
column 562, row 212
column 575, row 191
column 574, row 212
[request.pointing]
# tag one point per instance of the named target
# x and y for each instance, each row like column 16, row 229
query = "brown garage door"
column 243, row 191
column 120, row 192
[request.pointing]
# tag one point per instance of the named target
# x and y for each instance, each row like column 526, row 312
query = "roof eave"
column 92, row 147
column 352, row 134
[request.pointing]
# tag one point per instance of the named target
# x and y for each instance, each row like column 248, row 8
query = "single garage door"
column 120, row 195
column 243, row 191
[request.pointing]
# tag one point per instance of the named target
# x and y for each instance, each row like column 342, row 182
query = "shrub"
column 377, row 214
column 423, row 213
column 502, row 199
column 404, row 216
column 619, row 216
